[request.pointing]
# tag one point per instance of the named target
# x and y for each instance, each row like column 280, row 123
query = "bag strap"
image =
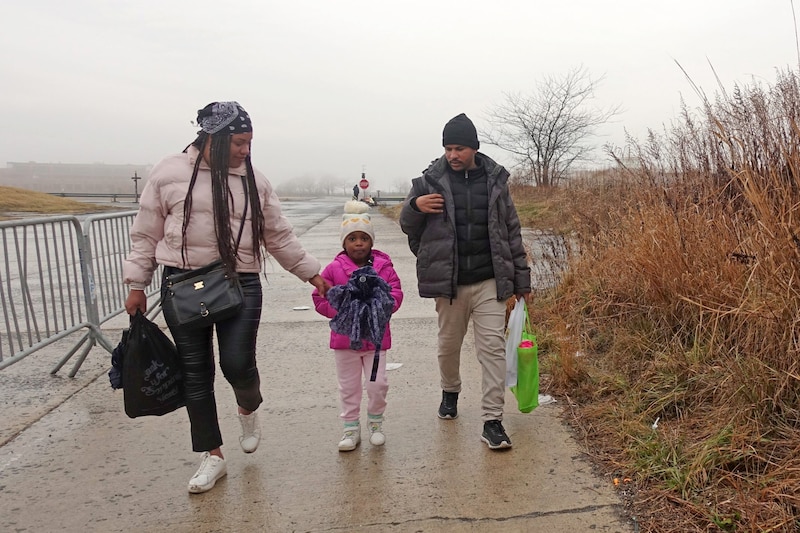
column 244, row 214
column 527, row 328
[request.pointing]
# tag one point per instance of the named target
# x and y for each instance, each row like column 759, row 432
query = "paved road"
column 70, row 460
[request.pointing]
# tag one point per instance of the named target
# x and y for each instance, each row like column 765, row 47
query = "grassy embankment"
column 14, row 201
column 685, row 297
column 673, row 338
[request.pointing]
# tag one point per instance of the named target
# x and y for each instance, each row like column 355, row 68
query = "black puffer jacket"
column 471, row 198
column 432, row 237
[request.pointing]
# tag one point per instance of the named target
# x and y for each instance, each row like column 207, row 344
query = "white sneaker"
column 376, row 436
column 211, row 469
column 251, row 432
column 350, row 439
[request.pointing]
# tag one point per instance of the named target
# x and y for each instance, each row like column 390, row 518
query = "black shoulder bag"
column 208, row 294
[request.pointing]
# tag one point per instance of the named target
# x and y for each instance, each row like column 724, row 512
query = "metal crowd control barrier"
column 60, row 276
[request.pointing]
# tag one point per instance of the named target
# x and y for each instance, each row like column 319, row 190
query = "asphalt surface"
column 70, row 460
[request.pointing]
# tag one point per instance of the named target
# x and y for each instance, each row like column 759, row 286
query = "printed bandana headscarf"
column 226, row 117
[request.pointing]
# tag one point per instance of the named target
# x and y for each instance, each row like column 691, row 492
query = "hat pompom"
column 356, row 218
column 355, row 207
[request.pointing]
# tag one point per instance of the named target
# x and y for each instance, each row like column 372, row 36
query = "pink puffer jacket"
column 156, row 233
column 338, row 273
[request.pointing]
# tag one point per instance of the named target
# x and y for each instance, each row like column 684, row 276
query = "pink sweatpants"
column 353, row 370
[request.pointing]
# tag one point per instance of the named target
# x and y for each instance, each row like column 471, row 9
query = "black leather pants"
column 236, row 340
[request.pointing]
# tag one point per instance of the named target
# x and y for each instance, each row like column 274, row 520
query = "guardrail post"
column 94, row 334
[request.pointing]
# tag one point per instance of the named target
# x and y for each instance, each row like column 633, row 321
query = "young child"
column 353, row 367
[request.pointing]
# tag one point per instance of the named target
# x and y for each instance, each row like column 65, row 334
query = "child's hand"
column 320, row 284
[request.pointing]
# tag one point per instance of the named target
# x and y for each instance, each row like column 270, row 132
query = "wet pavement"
column 70, row 460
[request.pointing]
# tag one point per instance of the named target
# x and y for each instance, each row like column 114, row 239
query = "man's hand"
column 430, row 203
column 528, row 296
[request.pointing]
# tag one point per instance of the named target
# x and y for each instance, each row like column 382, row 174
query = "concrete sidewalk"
column 85, row 466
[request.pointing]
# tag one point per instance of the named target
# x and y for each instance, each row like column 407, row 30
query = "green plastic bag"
column 526, row 391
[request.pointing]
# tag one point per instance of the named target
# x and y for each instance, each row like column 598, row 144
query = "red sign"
column 363, row 183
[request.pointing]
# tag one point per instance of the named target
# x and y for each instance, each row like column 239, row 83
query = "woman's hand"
column 320, row 284
column 137, row 300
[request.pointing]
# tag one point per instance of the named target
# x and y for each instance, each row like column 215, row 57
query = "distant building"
column 74, row 177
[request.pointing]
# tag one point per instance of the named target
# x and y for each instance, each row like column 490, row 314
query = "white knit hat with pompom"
column 356, row 218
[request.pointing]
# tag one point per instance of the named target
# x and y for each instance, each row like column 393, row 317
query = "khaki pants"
column 479, row 302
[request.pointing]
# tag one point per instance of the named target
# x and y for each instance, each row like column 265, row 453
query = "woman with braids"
column 190, row 214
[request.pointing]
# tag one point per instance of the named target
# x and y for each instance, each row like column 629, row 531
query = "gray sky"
column 334, row 87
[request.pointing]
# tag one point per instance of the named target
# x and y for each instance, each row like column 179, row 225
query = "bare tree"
column 548, row 130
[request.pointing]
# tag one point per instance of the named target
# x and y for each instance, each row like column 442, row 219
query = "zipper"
column 469, row 216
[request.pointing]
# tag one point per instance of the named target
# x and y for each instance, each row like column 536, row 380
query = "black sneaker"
column 494, row 435
column 448, row 409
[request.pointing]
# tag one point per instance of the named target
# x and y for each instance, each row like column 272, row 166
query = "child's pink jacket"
column 338, row 273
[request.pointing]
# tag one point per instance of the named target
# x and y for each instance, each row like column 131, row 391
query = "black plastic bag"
column 151, row 374
column 115, row 372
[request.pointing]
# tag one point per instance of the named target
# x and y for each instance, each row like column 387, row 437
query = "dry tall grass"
column 685, row 298
column 16, row 203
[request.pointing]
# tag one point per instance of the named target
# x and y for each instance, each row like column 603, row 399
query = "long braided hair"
column 223, row 198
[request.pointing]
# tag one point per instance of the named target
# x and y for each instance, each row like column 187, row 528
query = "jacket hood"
column 439, row 168
column 379, row 260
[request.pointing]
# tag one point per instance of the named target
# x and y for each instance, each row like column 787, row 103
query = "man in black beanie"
column 464, row 230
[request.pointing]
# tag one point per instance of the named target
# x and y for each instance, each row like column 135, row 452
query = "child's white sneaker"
column 351, row 437
column 376, row 436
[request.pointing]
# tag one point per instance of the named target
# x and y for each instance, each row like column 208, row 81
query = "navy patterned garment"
column 363, row 308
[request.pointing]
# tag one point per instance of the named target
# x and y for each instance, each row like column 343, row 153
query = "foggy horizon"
column 337, row 89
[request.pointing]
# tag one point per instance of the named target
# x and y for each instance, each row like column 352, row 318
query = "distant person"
column 354, row 365
column 190, row 214
column 464, row 230
column 355, row 191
